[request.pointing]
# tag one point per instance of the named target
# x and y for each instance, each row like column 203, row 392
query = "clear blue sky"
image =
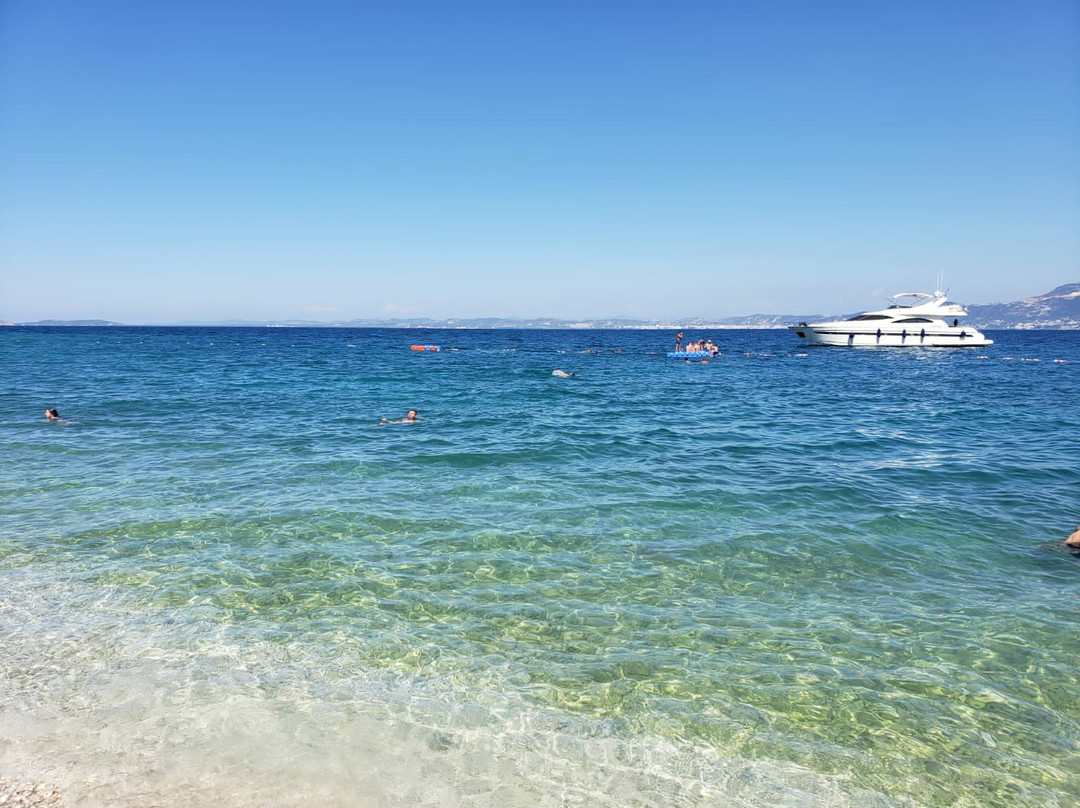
column 168, row 161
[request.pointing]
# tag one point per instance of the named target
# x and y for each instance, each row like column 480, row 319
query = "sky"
column 204, row 161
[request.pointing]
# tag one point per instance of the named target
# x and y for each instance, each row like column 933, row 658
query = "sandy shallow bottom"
column 250, row 753
column 142, row 732
column 120, row 709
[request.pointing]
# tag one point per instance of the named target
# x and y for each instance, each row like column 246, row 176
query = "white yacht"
column 914, row 320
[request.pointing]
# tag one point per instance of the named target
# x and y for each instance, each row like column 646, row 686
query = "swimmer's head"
column 412, row 415
column 52, row 414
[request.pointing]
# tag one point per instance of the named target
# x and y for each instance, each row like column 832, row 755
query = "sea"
column 788, row 577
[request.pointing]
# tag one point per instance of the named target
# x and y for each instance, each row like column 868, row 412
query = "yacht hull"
column 842, row 335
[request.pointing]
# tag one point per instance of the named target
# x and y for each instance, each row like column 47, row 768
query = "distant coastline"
column 546, row 323
column 1058, row 309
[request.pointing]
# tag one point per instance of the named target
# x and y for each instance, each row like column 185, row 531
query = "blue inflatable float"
column 690, row 355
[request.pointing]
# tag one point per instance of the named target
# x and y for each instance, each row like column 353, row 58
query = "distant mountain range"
column 84, row 323
column 1058, row 309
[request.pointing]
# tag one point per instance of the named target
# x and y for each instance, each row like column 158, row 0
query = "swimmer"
column 1074, row 539
column 411, row 417
column 52, row 414
column 562, row 374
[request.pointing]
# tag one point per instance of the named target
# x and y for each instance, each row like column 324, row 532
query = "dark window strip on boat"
column 910, row 335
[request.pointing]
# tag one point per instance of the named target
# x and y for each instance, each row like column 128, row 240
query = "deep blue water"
column 790, row 576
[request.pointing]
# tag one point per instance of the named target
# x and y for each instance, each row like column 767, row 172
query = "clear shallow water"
column 803, row 577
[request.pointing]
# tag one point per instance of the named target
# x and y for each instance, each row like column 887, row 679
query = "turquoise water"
column 788, row 577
